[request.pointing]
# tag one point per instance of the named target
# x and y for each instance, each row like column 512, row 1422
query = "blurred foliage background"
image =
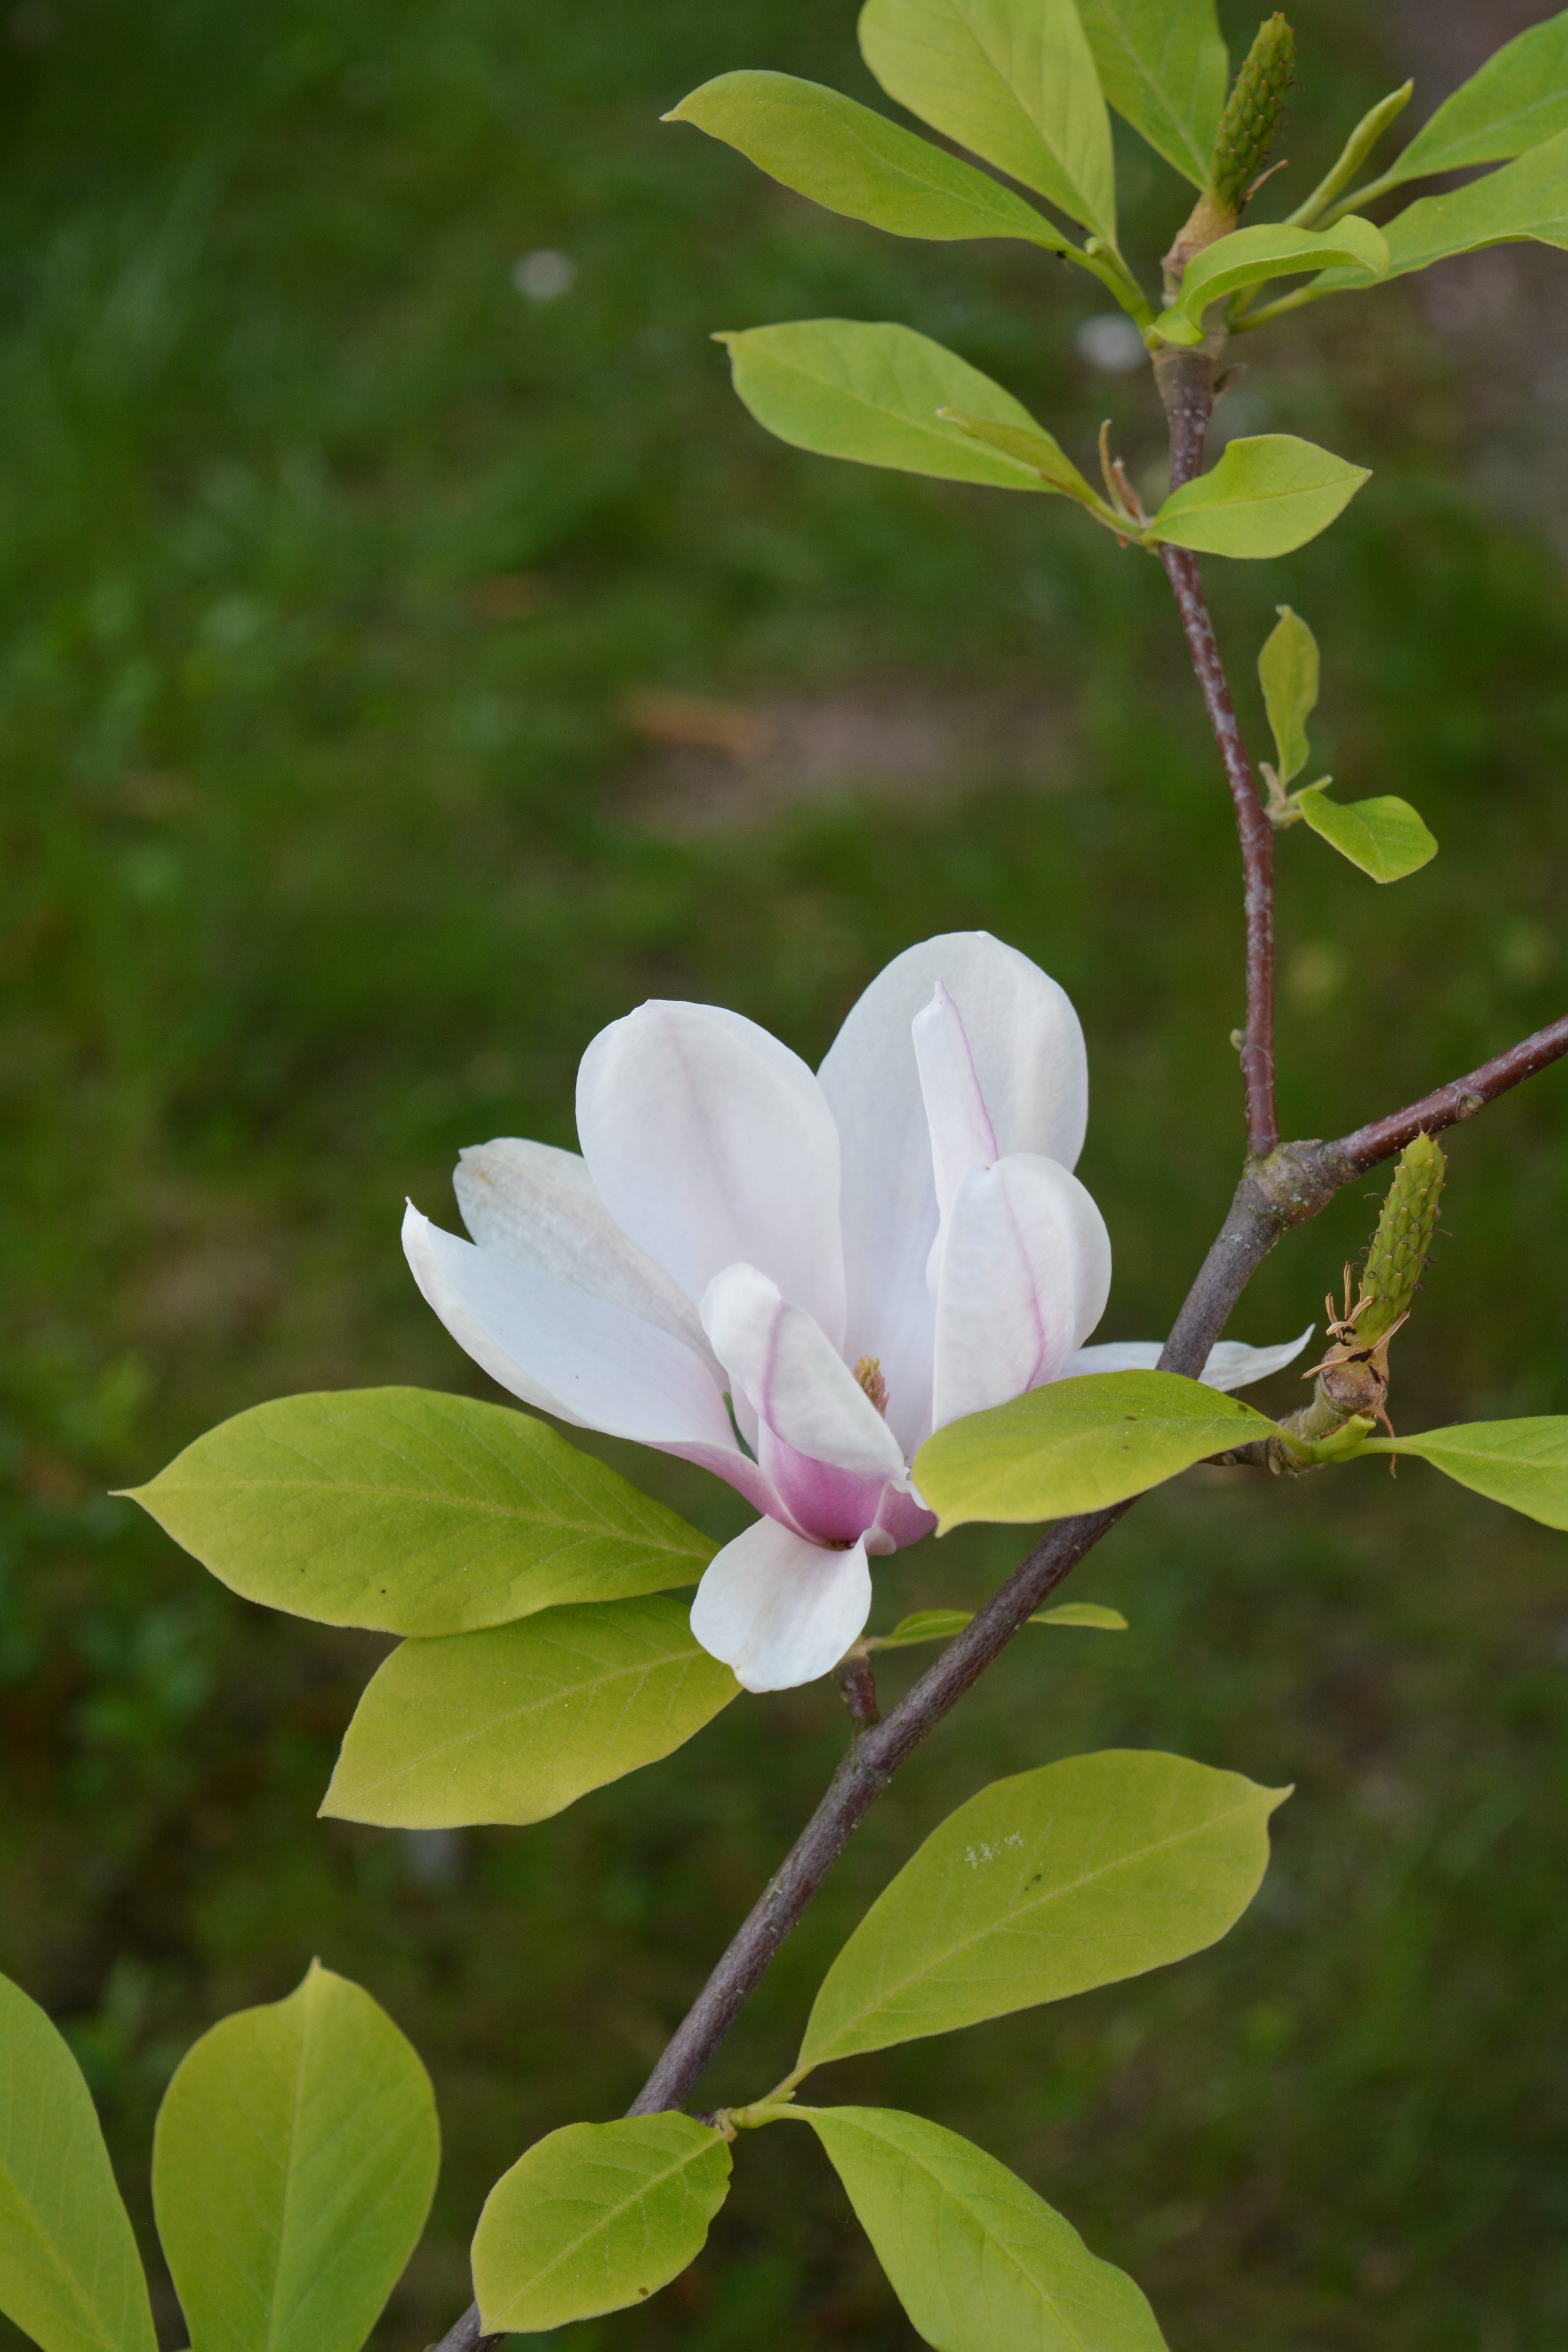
column 356, row 584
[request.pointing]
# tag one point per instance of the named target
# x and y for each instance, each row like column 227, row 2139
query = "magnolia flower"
column 794, row 1279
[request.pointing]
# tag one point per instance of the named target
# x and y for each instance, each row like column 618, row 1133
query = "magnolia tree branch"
column 1288, row 1187
column 1187, row 386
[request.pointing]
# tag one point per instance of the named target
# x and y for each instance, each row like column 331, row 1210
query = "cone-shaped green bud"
column 1252, row 116
column 1404, row 1237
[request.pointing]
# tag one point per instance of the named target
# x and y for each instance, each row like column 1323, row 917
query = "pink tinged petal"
column 709, row 1142
column 962, row 1139
column 1028, row 1051
column 901, row 1520
column 1230, row 1365
column 797, row 1382
column 539, row 1206
column 779, row 1611
column 1025, row 1277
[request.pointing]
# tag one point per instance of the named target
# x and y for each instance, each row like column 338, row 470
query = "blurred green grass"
column 324, row 854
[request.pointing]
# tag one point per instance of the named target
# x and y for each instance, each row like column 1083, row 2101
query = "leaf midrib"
column 598, row 2229
column 354, row 1489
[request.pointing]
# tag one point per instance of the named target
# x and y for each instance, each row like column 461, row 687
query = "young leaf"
column 1080, row 1874
column 979, row 2262
column 941, row 1624
column 1288, row 673
column 593, row 2218
column 412, row 1512
column 516, row 1723
column 71, row 2276
column 1012, row 80
column 1527, row 199
column 1250, row 257
column 1164, row 68
column 1518, row 99
column 1266, row 496
column 1523, row 1464
column 1384, row 836
column 293, row 2164
column 844, row 156
column 1077, row 1445
column 872, row 393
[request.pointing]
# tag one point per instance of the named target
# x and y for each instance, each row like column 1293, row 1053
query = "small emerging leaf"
column 1080, row 1874
column 845, row 157
column 1523, row 1464
column 1078, row 1445
column 516, row 1723
column 874, row 394
column 1162, row 66
column 979, row 2262
column 1516, row 100
column 1250, row 257
column 1012, row 80
column 1266, row 496
column 71, row 2276
column 595, row 2217
column 941, row 1624
column 412, row 1512
column 1525, row 200
column 1384, row 836
column 293, row 2165
column 1288, row 673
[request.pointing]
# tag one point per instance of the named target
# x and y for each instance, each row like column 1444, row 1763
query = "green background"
column 327, row 565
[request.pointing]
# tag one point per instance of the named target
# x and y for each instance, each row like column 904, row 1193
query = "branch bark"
column 1185, row 380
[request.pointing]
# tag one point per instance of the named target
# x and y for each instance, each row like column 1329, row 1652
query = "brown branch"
column 1186, row 387
column 1384, row 1137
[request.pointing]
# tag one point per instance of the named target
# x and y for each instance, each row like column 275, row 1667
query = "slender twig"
column 1186, row 387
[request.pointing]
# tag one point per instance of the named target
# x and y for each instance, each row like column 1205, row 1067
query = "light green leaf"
column 71, row 2276
column 1383, row 837
column 413, row 1512
column 1354, row 155
column 516, row 1723
column 844, row 156
column 941, row 1624
column 1266, row 496
column 1288, row 673
column 1162, row 66
column 1527, row 199
column 1010, row 79
column 594, row 2218
column 1516, row 100
column 872, row 393
column 1523, row 1464
column 1080, row 1873
column 1034, row 446
column 293, row 2165
column 1077, row 1445
column 979, row 2262
column 1250, row 257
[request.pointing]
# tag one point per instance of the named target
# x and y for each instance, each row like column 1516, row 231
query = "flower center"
column 869, row 1373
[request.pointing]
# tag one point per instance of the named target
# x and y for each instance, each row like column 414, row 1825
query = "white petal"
column 708, row 1141
column 795, row 1380
column 962, row 1137
column 540, row 1207
column 778, row 1611
column 584, row 1359
column 1025, row 1277
column 1230, row 1365
column 1029, row 1055
column 1233, row 1366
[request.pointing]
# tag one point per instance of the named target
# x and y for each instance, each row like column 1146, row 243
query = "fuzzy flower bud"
column 1400, row 1246
column 1252, row 115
